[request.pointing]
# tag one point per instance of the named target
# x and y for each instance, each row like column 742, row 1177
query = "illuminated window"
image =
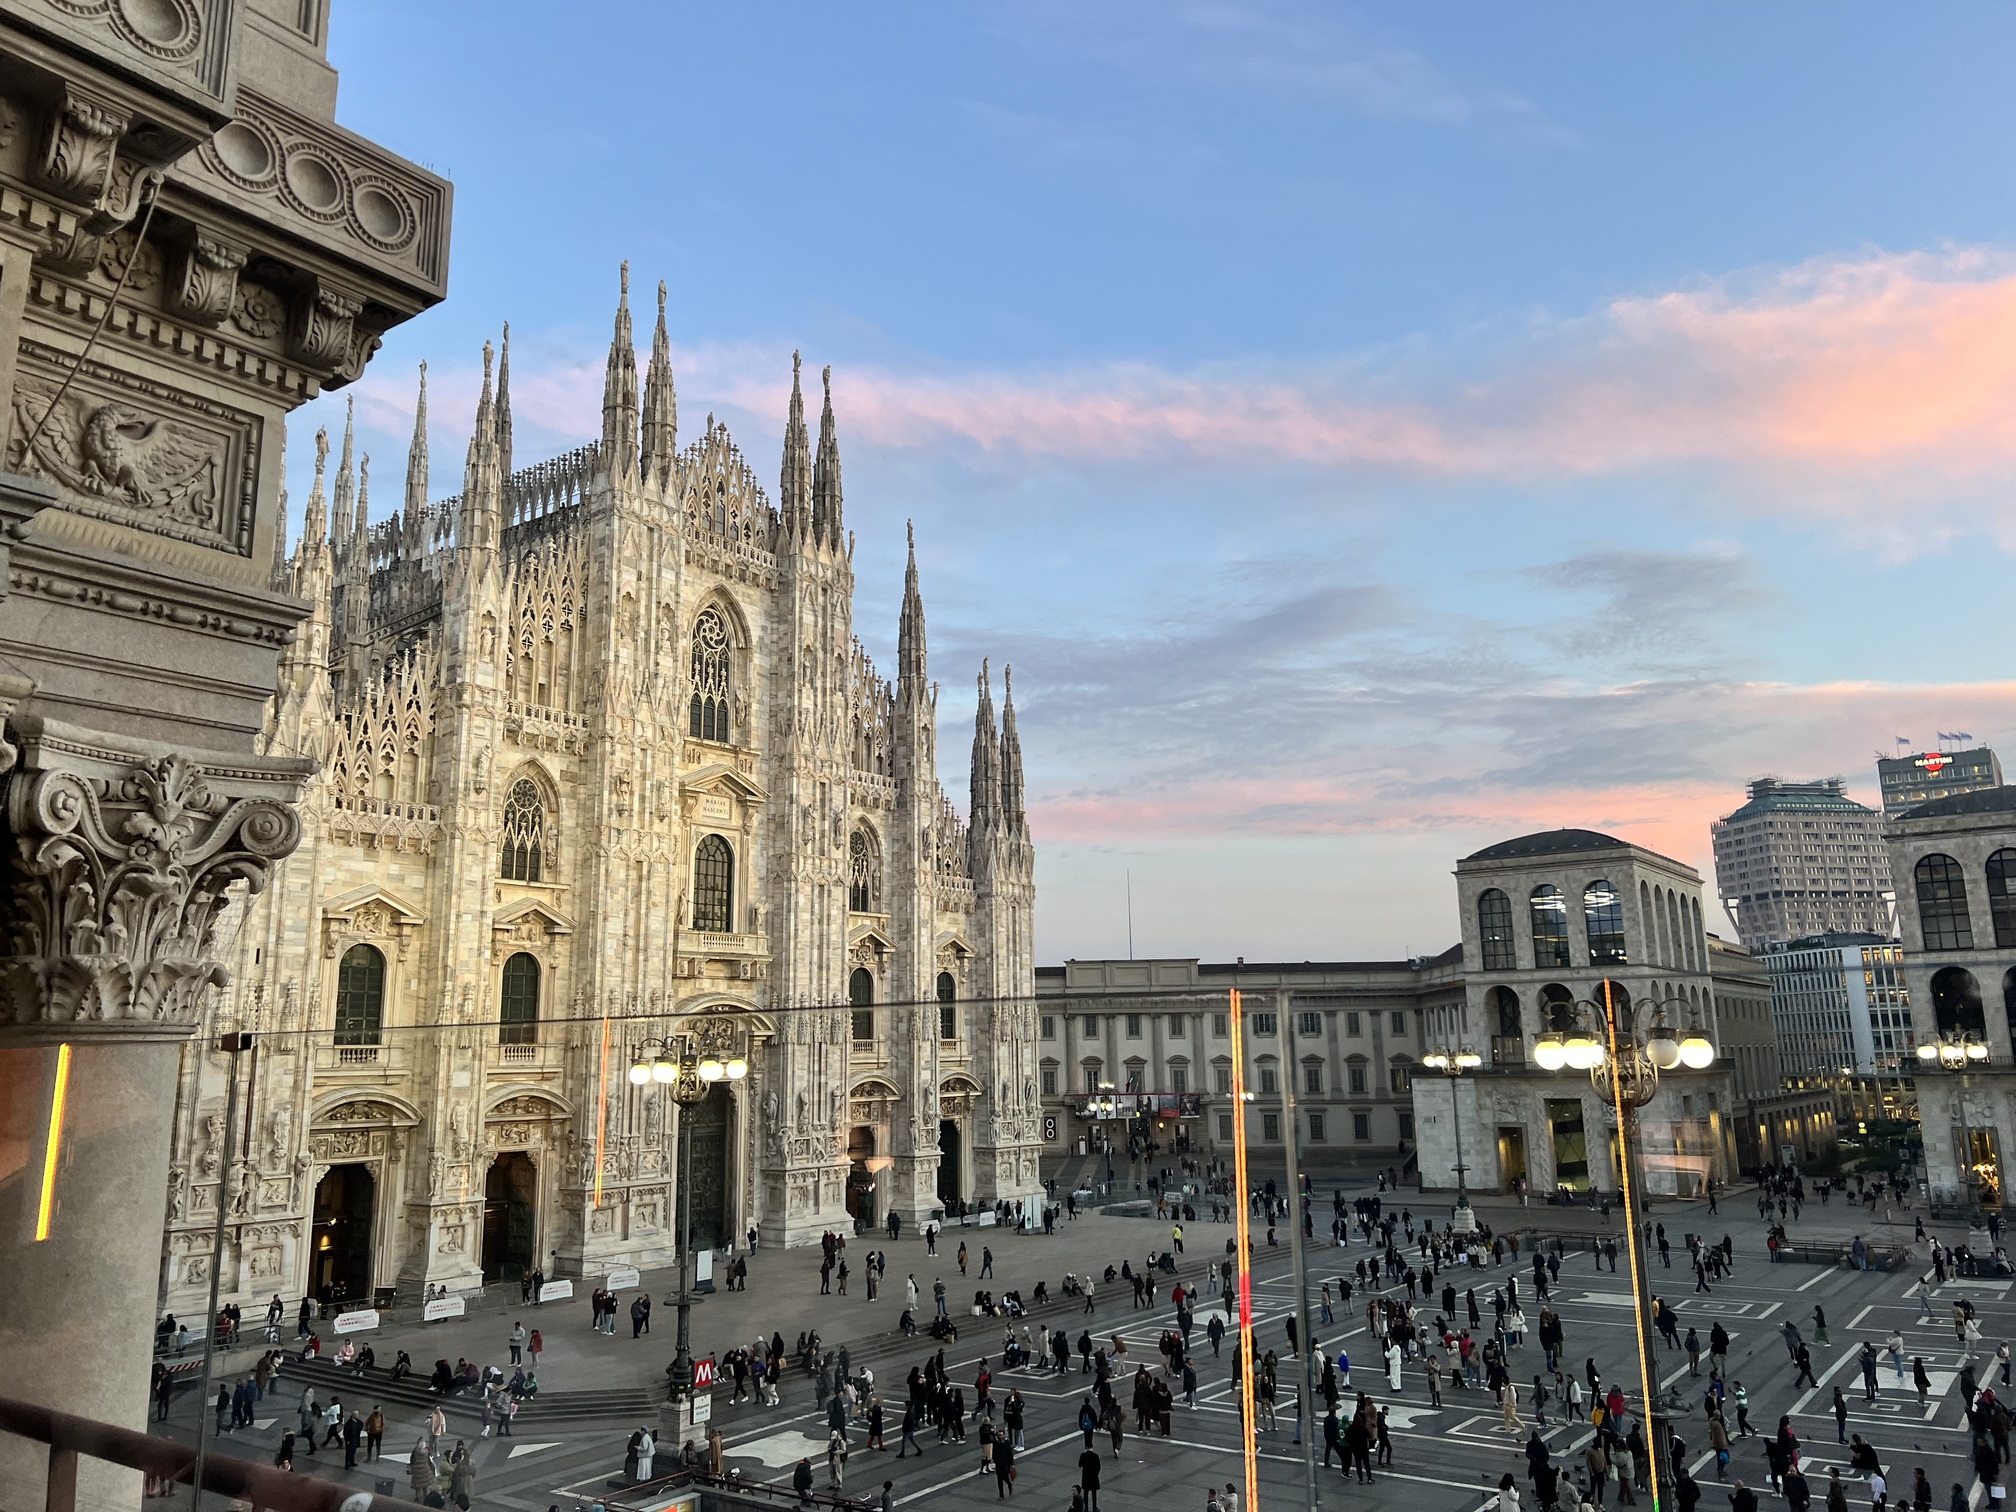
column 518, row 1002
column 524, row 833
column 1942, row 903
column 1603, row 917
column 1398, row 1077
column 707, row 714
column 1494, row 928
column 1547, row 915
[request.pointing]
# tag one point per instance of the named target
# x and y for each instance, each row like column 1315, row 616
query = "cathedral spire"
column 794, row 489
column 985, row 790
column 476, row 524
column 279, row 578
column 413, row 541
column 619, row 393
column 826, row 471
column 346, row 475
column 504, row 404
column 315, row 526
column 910, row 654
column 1012, row 812
column 661, row 405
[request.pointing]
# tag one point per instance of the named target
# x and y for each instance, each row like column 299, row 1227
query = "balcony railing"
column 164, row 1460
column 517, row 1054
column 357, row 1055
column 1508, row 1050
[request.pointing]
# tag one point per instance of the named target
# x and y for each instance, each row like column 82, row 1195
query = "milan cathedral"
column 601, row 766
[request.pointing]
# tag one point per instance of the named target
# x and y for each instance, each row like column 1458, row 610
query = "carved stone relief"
column 126, row 449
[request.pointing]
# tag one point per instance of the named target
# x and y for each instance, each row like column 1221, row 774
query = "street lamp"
column 1960, row 1052
column 1452, row 1064
column 691, row 1076
column 1625, row 1072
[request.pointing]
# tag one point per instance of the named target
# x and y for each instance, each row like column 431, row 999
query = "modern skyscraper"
column 1802, row 858
column 1926, row 775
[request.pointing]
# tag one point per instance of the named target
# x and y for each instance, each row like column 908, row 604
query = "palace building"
column 600, row 764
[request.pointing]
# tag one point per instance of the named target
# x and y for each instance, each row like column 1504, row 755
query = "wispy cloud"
column 1840, row 389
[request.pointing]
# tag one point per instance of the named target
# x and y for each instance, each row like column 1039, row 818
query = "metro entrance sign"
column 703, row 1374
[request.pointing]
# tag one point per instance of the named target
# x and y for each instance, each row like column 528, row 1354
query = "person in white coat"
column 646, row 1448
column 1393, row 1366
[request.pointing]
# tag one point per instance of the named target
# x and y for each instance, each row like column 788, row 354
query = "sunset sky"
column 1369, row 432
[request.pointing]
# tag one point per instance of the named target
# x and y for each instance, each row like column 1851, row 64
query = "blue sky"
column 1370, row 432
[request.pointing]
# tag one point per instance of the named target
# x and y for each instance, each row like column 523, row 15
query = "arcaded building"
column 1550, row 920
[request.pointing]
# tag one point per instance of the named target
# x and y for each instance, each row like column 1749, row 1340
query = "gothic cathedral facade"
column 601, row 769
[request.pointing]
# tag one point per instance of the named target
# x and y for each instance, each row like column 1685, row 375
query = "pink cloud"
column 1847, row 386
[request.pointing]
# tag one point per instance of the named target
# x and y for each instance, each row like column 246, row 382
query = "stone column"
column 121, row 855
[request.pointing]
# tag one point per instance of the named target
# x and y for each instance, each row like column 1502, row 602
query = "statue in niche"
column 458, row 1131
column 212, row 1158
column 279, row 1128
column 653, row 1119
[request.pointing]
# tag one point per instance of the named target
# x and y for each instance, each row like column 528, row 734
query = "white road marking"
column 1803, row 1286
column 518, row 1449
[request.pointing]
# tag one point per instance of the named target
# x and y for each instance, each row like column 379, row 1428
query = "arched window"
column 1548, row 914
column 948, row 1015
column 1956, row 1002
column 1505, row 1013
column 1603, row 917
column 360, row 996
column 713, row 886
column 1557, row 1008
column 518, row 1002
column 2002, row 897
column 1494, row 928
column 707, row 715
column 863, row 872
column 861, row 994
column 524, row 833
column 2009, row 1001
column 1942, row 903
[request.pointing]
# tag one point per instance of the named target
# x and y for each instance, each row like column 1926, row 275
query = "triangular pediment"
column 719, row 777
column 536, row 912
column 954, row 942
column 871, row 937
column 373, row 896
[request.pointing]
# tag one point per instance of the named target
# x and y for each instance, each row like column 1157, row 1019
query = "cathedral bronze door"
column 509, row 1194
column 861, row 1176
column 707, row 1124
column 339, row 1268
column 949, row 1184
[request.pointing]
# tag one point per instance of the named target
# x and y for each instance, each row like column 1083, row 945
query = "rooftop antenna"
column 1130, row 913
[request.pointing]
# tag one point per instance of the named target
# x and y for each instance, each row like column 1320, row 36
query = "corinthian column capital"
column 120, row 858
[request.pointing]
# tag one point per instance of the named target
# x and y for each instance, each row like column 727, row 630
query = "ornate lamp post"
column 690, row 1077
column 1959, row 1052
column 1625, row 1072
column 1452, row 1064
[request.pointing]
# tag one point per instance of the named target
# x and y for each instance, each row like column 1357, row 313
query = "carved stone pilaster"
column 206, row 281
column 120, row 856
